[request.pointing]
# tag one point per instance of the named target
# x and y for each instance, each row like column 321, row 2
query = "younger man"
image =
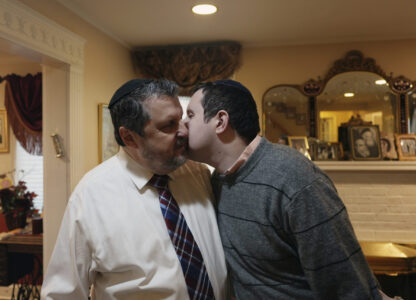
column 284, row 229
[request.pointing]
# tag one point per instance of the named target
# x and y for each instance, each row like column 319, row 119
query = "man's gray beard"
column 170, row 164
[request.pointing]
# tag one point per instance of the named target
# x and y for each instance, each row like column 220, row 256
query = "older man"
column 285, row 231
column 141, row 224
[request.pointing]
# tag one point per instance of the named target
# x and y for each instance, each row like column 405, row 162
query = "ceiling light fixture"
column 380, row 82
column 204, row 9
column 348, row 95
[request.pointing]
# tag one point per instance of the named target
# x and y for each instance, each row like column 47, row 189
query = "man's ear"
column 126, row 136
column 222, row 121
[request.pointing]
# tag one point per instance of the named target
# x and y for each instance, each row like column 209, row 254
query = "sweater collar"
column 246, row 167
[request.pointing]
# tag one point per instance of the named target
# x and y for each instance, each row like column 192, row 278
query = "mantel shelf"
column 381, row 166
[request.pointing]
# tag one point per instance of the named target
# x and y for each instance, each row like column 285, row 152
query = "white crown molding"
column 24, row 26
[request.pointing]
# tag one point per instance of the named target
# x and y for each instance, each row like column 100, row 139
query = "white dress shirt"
column 113, row 235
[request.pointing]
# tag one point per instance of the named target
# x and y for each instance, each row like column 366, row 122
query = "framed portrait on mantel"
column 4, row 132
column 299, row 143
column 328, row 151
column 388, row 147
column 365, row 142
column 107, row 145
column 406, row 146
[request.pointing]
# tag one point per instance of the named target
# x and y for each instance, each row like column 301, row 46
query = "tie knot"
column 159, row 181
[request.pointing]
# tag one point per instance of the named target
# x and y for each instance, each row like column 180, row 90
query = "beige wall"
column 20, row 67
column 107, row 66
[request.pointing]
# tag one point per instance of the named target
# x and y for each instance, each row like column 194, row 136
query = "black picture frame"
column 328, row 151
column 365, row 142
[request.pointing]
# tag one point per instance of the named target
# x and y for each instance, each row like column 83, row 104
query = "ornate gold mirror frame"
column 353, row 61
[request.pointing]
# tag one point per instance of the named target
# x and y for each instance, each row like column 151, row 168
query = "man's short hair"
column 129, row 111
column 236, row 100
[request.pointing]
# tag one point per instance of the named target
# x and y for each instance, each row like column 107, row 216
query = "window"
column 184, row 101
column 29, row 168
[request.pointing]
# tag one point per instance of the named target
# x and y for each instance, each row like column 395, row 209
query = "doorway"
column 28, row 34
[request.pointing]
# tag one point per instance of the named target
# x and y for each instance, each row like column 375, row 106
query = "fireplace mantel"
column 382, row 166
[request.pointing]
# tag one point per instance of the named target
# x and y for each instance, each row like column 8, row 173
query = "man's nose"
column 186, row 121
column 182, row 129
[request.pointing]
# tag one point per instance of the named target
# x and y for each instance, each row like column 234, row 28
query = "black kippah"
column 127, row 88
column 234, row 84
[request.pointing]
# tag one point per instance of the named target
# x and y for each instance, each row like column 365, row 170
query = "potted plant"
column 16, row 204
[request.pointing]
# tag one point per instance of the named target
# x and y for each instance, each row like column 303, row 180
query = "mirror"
column 285, row 110
column 353, row 94
column 354, row 88
column 412, row 111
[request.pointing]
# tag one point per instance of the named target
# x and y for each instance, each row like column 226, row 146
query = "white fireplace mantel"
column 382, row 166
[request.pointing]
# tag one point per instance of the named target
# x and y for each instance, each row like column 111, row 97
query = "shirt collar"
column 136, row 171
column 248, row 151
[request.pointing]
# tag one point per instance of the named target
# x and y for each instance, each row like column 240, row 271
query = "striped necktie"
column 189, row 255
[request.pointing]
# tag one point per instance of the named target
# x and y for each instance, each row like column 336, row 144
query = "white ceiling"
column 251, row 22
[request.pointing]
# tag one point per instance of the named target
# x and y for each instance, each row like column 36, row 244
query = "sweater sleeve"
column 330, row 255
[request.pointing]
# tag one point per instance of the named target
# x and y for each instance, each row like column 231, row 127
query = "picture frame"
column 328, row 151
column 365, row 142
column 388, row 147
column 300, row 143
column 4, row 132
column 107, row 144
column 406, row 146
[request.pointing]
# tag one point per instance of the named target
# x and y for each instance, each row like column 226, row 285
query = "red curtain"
column 23, row 102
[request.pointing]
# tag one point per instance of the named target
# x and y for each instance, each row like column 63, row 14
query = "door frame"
column 27, row 33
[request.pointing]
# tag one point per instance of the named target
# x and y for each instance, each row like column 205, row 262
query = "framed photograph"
column 328, row 151
column 406, row 146
column 4, row 132
column 388, row 147
column 107, row 145
column 299, row 143
column 365, row 142
column 290, row 112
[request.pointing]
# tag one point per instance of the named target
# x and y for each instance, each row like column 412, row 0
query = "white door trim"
column 23, row 26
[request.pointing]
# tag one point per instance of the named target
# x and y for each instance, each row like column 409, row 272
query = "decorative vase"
column 13, row 222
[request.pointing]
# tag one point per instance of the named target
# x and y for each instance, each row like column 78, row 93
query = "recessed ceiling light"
column 204, row 9
column 380, row 82
column 348, row 95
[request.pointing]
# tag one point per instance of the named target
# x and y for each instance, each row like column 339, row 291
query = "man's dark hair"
column 130, row 112
column 237, row 101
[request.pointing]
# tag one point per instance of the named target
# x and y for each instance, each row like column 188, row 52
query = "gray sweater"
column 286, row 233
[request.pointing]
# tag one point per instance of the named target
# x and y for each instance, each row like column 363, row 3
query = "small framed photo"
column 4, row 132
column 328, row 151
column 107, row 145
column 299, row 143
column 365, row 142
column 388, row 147
column 406, row 146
